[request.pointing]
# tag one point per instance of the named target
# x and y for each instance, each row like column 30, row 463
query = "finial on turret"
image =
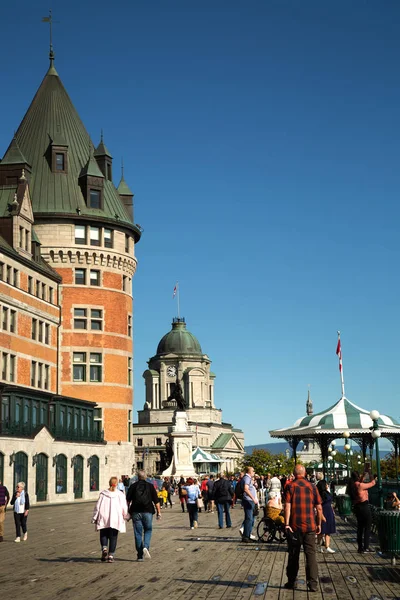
column 309, row 404
column 22, row 178
column 122, row 168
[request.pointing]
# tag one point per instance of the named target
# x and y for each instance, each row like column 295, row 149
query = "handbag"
column 183, row 492
column 256, row 510
column 199, row 502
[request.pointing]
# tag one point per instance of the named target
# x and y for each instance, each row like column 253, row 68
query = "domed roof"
column 179, row 340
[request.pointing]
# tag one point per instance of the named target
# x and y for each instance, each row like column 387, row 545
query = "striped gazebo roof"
column 201, row 456
column 344, row 415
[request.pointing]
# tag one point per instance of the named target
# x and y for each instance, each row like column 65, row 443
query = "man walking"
column 301, row 498
column 143, row 502
column 249, row 501
column 4, row 500
column 223, row 493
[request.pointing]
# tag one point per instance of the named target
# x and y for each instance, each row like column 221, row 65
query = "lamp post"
column 346, row 435
column 376, row 434
column 279, row 464
column 333, row 464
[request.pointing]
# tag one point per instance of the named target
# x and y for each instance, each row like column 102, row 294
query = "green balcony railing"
column 16, row 429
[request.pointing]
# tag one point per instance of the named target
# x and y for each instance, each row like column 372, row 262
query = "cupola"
column 104, row 159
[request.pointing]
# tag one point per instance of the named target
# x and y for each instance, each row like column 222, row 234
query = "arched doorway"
column 78, row 476
column 41, row 477
column 21, row 469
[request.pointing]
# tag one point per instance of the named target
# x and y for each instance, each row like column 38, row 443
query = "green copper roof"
column 222, row 440
column 14, row 156
column 179, row 341
column 102, row 149
column 91, row 168
column 123, row 188
column 52, row 116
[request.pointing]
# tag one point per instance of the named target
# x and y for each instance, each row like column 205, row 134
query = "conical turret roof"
column 52, row 116
column 123, row 188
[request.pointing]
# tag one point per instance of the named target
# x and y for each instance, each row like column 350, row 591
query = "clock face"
column 171, row 371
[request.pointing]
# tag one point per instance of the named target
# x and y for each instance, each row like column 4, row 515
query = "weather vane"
column 50, row 21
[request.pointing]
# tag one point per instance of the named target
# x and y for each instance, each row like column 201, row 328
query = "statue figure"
column 166, row 456
column 177, row 395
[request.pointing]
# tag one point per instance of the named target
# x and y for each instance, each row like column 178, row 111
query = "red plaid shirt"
column 303, row 497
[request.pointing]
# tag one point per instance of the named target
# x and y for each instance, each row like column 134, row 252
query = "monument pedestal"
column 182, row 445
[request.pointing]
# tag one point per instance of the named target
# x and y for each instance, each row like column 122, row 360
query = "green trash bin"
column 344, row 505
column 389, row 531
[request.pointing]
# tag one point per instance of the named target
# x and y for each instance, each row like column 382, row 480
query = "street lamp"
column 346, row 435
column 376, row 434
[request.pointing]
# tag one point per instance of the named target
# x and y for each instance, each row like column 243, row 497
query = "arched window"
column 61, row 474
column 1, row 468
column 94, row 474
column 21, row 469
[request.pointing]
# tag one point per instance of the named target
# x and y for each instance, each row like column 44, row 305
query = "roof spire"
column 309, row 404
column 49, row 20
column 122, row 169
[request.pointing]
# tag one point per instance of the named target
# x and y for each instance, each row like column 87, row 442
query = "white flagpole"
column 339, row 353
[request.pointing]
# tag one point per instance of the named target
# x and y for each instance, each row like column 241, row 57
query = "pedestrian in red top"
column 301, row 525
column 357, row 491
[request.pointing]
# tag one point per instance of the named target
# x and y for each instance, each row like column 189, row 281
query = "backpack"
column 239, row 489
column 142, row 496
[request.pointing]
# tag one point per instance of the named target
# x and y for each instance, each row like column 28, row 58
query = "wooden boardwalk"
column 60, row 561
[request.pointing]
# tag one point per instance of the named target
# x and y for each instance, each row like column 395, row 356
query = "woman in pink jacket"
column 109, row 516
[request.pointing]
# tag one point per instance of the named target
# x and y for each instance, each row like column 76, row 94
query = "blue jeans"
column 193, row 513
column 224, row 507
column 142, row 522
column 248, row 507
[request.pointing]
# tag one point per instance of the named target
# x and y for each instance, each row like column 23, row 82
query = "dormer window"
column 60, row 161
column 94, row 198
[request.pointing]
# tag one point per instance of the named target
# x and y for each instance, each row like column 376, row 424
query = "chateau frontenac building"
column 217, row 445
column 67, row 259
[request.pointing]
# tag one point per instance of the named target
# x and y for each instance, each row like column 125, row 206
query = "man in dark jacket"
column 223, row 494
column 4, row 500
column 143, row 502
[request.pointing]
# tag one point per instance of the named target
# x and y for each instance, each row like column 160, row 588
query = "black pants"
column 295, row 542
column 364, row 522
column 20, row 521
column 109, row 535
column 170, row 499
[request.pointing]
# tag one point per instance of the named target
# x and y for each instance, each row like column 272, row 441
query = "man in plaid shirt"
column 302, row 500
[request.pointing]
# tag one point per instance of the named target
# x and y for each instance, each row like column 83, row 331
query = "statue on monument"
column 166, row 455
column 177, row 395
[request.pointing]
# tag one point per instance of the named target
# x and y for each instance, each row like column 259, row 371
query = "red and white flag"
column 174, row 293
column 339, row 353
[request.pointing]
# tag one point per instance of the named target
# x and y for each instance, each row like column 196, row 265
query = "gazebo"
column 332, row 423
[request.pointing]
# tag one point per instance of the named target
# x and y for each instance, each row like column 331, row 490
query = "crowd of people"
column 299, row 504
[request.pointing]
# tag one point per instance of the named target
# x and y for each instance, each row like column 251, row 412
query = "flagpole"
column 177, row 293
column 339, row 353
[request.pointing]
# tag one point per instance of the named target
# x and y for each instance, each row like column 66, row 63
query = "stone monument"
column 180, row 438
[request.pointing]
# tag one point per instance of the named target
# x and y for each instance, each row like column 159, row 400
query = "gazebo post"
column 396, row 458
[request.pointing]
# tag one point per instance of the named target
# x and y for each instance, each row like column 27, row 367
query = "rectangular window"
column 4, row 365
column 95, row 199
column 139, row 442
column 51, row 295
column 30, row 285
column 158, row 441
column 94, row 277
column 40, row 375
column 27, row 237
column 129, row 371
column 40, row 328
column 21, row 237
column 127, row 242
column 33, row 373
column 13, row 316
column 37, row 289
column 4, row 318
column 1, row 270
column 80, row 234
column 15, row 277
column 96, row 319
column 124, row 282
column 47, row 334
column 9, row 274
column 108, row 238
column 94, row 236
column 44, row 290
column 12, row 367
column 46, row 377
column 80, row 320
column 80, row 276
column 95, row 367
column 60, row 161
column 79, row 366
column 130, row 325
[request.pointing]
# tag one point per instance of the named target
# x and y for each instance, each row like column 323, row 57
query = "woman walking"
column 109, row 516
column 328, row 525
column 20, row 501
column 357, row 490
column 193, row 493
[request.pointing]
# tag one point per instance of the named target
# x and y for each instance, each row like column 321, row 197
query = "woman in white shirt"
column 20, row 501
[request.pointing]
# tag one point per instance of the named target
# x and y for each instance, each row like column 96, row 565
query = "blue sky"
column 261, row 140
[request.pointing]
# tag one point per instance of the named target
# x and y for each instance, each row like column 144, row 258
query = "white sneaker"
column 328, row 549
column 192, row 528
column 241, row 530
column 17, row 540
column 25, row 536
column 146, row 553
column 322, row 549
column 252, row 537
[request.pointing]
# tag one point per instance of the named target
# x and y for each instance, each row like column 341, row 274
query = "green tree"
column 264, row 462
